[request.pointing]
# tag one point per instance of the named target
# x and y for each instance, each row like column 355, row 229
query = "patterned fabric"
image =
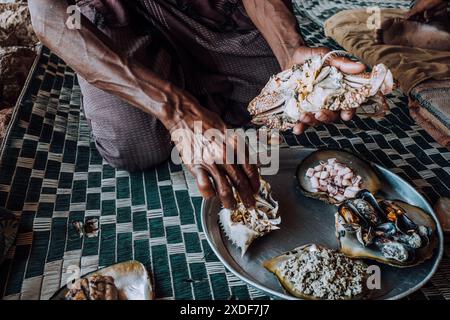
column 224, row 71
column 221, row 15
column 51, row 175
column 434, row 97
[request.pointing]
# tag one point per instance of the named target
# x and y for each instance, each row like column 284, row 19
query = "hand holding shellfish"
column 346, row 65
column 318, row 87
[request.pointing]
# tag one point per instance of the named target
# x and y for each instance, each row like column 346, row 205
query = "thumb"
column 347, row 65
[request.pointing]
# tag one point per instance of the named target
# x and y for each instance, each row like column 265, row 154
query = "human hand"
column 306, row 120
column 423, row 10
column 202, row 140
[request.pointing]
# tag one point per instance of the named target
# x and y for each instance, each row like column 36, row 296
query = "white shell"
column 241, row 235
column 261, row 220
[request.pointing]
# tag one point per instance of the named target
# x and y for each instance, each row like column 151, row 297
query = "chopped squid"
column 335, row 179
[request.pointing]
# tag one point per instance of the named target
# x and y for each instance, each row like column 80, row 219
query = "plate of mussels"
column 329, row 225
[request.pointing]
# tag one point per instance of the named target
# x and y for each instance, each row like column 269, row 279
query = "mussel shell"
column 369, row 197
column 386, row 229
column 403, row 222
column 131, row 279
column 348, row 208
column 370, row 180
column 273, row 266
column 351, row 247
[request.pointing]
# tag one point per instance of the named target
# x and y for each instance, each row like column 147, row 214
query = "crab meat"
column 242, row 226
column 314, row 86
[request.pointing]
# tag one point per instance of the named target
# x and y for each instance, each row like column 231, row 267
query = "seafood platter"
column 329, row 224
column 301, row 241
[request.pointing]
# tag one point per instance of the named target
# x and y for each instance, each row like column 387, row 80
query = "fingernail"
column 321, row 117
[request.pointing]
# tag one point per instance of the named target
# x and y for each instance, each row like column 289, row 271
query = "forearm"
column 278, row 25
column 89, row 53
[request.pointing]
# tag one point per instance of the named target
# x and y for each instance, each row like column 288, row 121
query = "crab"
column 314, row 86
column 243, row 225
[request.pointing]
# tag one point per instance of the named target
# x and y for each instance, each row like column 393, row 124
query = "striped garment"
column 215, row 53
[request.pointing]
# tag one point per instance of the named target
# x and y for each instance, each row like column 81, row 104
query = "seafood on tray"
column 315, row 272
column 335, row 179
column 242, row 226
column 316, row 85
column 391, row 232
column 335, row 176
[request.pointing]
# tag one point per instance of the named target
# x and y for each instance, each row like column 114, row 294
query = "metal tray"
column 306, row 220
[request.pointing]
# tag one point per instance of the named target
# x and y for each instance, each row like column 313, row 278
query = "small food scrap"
column 314, row 272
column 88, row 229
column 95, row 287
column 335, row 179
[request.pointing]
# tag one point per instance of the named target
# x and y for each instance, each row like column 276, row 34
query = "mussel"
column 391, row 232
column 364, row 176
column 397, row 214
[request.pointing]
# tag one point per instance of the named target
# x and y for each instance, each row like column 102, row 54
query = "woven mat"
column 52, row 175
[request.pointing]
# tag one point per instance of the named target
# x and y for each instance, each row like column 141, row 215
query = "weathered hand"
column 299, row 56
column 201, row 139
column 423, row 10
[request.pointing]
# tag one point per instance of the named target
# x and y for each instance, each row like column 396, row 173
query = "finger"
column 414, row 15
column 300, row 128
column 347, row 115
column 251, row 170
column 253, row 176
column 309, row 119
column 348, row 66
column 204, row 183
column 411, row 14
column 327, row 116
column 223, row 188
column 241, row 184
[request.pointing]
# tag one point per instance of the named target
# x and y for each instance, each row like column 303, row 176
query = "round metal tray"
column 306, row 220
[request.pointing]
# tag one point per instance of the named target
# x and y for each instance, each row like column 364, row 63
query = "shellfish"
column 315, row 85
column 315, row 272
column 95, row 287
column 123, row 281
column 363, row 176
column 242, row 226
column 391, row 232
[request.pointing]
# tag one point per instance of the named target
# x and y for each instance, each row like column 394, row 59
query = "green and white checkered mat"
column 52, row 175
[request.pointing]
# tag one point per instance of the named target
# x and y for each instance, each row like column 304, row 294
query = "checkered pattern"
column 51, row 175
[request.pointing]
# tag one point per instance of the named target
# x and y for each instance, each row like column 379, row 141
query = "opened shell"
column 356, row 267
column 360, row 167
column 389, row 244
column 242, row 225
column 131, row 279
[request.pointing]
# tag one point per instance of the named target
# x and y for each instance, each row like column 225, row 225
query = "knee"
column 135, row 156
